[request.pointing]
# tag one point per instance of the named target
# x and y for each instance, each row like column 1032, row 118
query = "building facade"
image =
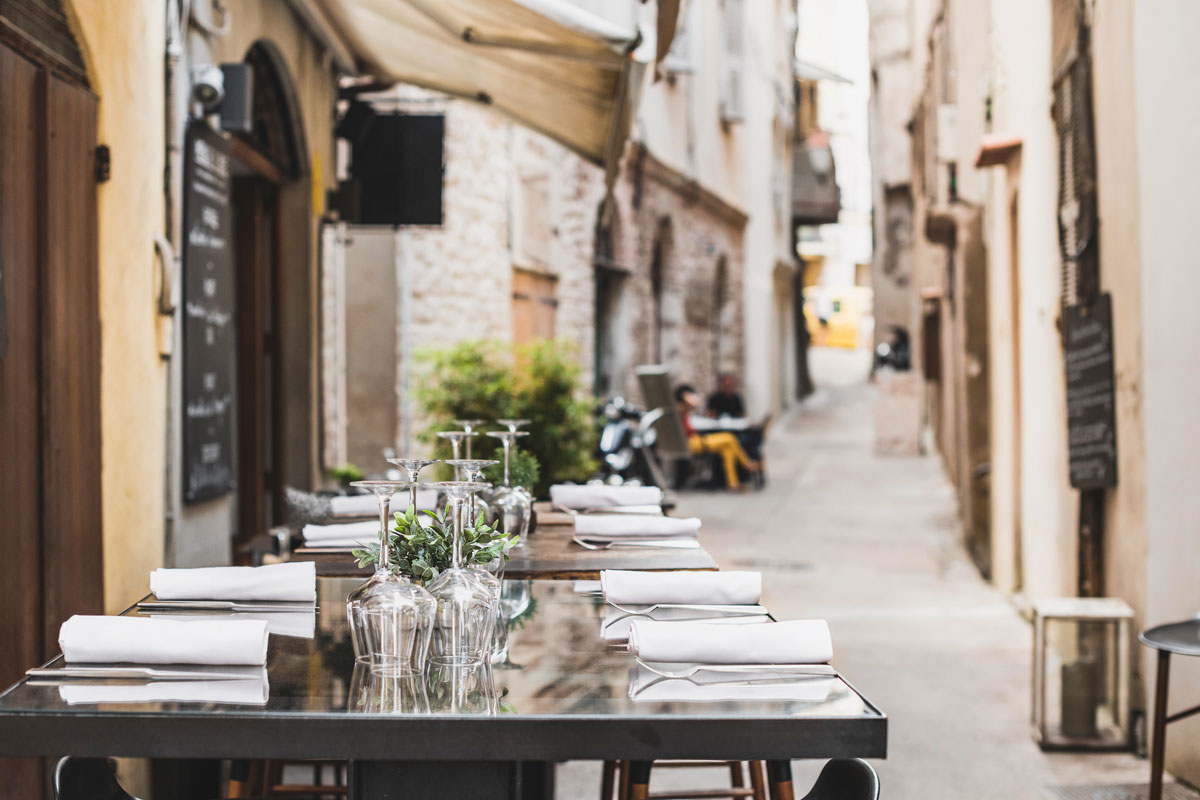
column 1049, row 174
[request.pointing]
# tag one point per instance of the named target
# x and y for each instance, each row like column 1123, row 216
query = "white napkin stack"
column 293, row 582
column 367, row 505
column 297, row 624
column 162, row 641
column 630, row 587
column 805, row 641
column 253, row 691
column 569, row 495
column 614, row 527
column 345, row 534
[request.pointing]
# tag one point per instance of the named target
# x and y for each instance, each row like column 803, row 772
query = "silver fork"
column 681, row 544
column 732, row 610
column 810, row 670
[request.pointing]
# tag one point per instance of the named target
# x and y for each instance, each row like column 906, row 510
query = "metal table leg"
column 1158, row 745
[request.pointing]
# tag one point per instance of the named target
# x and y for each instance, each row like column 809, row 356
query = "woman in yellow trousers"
column 725, row 445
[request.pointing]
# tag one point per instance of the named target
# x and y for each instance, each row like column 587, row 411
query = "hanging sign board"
column 1091, row 394
column 208, row 324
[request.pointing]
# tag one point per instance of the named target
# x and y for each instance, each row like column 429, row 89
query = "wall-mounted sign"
column 1091, row 394
column 209, row 356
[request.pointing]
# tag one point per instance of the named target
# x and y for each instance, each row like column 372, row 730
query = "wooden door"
column 50, row 523
column 534, row 306
column 259, row 445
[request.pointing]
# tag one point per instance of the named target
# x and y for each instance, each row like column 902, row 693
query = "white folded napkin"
column 569, row 495
column 294, row 581
column 710, row 588
column 616, row 624
column 357, row 534
column 621, row 526
column 253, row 691
column 163, row 641
column 586, row 587
column 804, row 641
column 355, row 505
column 647, row 687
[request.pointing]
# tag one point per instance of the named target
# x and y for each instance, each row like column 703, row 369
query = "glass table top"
column 558, row 665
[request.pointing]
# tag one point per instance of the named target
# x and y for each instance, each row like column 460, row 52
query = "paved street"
column 871, row 543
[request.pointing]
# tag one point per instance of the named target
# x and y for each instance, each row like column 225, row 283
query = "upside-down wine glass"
column 467, row 599
column 513, row 425
column 513, row 509
column 411, row 467
column 383, row 491
column 391, row 618
column 469, row 426
column 471, row 471
column 456, row 438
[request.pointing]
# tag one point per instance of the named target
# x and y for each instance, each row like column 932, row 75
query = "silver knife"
column 221, row 605
column 133, row 673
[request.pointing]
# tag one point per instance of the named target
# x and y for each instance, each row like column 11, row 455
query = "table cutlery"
column 732, row 610
column 608, row 544
column 221, row 605
column 813, row 670
column 133, row 673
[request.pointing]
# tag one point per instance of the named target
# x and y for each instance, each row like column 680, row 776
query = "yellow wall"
column 122, row 42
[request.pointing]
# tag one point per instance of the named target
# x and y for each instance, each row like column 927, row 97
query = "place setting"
column 706, row 637
column 604, row 517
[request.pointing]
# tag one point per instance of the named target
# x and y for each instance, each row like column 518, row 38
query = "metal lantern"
column 1081, row 673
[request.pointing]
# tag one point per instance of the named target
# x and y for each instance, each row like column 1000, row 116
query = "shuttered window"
column 733, row 72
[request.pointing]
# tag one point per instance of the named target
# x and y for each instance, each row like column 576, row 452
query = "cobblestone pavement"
column 872, row 544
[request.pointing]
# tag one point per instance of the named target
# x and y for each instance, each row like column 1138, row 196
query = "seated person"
column 725, row 445
column 726, row 401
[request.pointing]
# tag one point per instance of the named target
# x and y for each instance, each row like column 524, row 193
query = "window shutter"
column 732, row 89
column 681, row 58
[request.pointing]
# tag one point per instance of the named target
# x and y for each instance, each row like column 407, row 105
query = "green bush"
column 493, row 380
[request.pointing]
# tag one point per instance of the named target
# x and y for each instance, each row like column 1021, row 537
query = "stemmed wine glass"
column 466, row 598
column 391, row 618
column 469, row 426
column 456, row 438
column 411, row 467
column 513, row 508
column 513, row 425
column 471, row 471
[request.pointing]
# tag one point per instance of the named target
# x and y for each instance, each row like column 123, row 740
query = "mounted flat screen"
column 209, row 356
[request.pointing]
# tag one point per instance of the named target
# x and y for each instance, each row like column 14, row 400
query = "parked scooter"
column 624, row 443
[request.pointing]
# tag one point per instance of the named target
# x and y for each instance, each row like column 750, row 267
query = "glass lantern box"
column 1081, row 673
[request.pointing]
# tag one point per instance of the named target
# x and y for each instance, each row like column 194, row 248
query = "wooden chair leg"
column 639, row 779
column 622, row 780
column 608, row 780
column 779, row 778
column 1158, row 744
column 756, row 780
column 736, row 779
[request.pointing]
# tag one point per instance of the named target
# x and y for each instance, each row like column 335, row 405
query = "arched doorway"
column 272, row 217
column 50, row 501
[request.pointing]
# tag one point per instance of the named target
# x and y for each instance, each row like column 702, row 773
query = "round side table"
column 1175, row 637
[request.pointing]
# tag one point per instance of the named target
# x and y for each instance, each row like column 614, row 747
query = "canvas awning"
column 546, row 63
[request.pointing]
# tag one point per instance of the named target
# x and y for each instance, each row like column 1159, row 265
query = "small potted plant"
column 421, row 545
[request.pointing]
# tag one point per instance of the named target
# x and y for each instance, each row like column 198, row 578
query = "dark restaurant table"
column 548, row 553
column 561, row 695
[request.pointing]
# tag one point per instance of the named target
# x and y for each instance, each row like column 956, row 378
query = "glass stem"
column 457, row 526
column 385, row 557
column 412, row 497
column 507, row 449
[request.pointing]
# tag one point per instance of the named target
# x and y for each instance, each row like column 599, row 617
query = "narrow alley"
column 872, row 544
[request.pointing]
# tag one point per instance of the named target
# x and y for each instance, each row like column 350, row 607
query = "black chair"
column 87, row 779
column 845, row 779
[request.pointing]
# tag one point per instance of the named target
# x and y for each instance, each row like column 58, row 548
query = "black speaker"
column 397, row 166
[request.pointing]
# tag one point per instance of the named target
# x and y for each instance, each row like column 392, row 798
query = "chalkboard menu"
column 1091, row 403
column 208, row 326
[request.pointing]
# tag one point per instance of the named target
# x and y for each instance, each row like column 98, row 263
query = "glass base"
column 456, row 660
column 394, row 669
